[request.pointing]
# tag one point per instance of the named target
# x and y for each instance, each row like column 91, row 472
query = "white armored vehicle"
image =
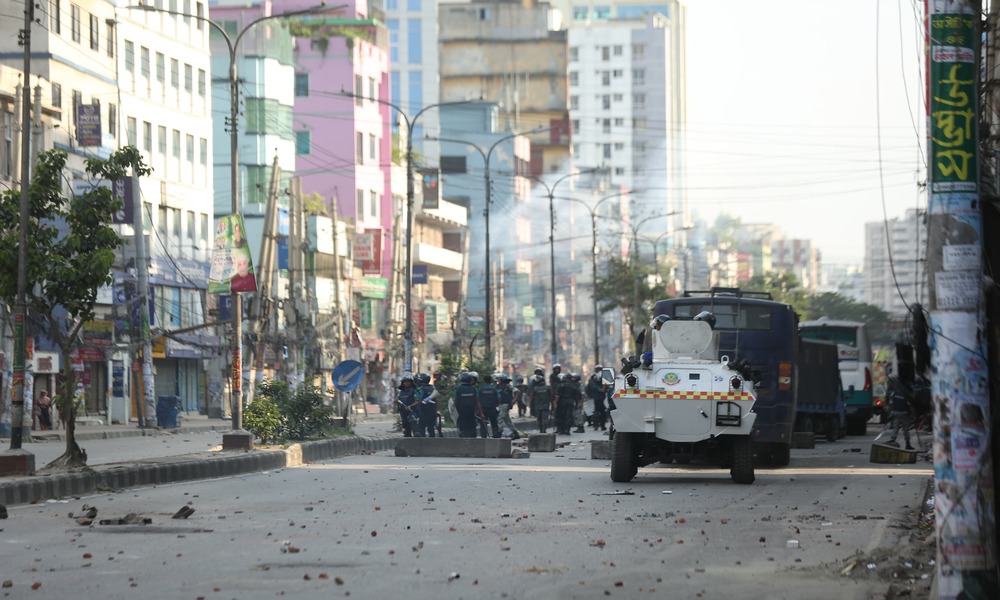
column 681, row 402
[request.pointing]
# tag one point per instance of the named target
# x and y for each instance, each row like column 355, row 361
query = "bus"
column 855, row 360
column 755, row 328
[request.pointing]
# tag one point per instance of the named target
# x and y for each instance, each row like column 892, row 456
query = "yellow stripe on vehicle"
column 681, row 395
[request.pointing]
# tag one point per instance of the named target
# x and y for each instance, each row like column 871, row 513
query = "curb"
column 82, row 436
column 189, row 467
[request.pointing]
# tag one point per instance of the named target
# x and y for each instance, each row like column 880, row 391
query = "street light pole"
column 487, row 155
column 238, row 439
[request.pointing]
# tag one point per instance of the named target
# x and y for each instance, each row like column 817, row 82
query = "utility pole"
column 142, row 291
column 18, row 461
column 964, row 485
column 265, row 279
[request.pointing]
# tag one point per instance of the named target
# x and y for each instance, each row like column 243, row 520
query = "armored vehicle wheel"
column 832, row 428
column 781, row 454
column 742, row 468
column 624, row 462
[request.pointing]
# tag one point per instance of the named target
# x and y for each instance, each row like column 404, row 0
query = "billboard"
column 232, row 267
column 88, row 124
column 430, row 187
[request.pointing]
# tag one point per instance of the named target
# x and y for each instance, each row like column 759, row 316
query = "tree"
column 71, row 248
column 630, row 287
column 784, row 287
column 840, row 308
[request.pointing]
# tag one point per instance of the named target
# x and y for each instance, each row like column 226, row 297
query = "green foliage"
column 306, row 414
column 784, row 287
column 483, row 365
column 263, row 419
column 630, row 287
column 70, row 250
column 841, row 308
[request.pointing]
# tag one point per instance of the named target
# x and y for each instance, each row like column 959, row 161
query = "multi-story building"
column 413, row 61
column 895, row 272
column 512, row 53
column 800, row 258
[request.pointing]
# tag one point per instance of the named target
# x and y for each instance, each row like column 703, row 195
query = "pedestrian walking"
column 44, row 405
column 901, row 402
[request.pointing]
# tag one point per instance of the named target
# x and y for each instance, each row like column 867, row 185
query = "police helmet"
column 574, row 377
column 598, row 369
column 519, row 380
column 556, row 368
column 406, row 379
column 561, row 377
column 423, row 378
column 538, row 379
column 487, row 378
column 465, row 377
column 706, row 316
column 475, row 376
column 503, row 378
column 539, row 371
column 658, row 321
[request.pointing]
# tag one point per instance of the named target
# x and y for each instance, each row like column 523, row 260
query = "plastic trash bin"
column 168, row 410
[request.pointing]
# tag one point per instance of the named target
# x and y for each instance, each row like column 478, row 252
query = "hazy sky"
column 783, row 115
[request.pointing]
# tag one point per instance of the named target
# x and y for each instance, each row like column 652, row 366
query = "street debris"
column 453, row 576
column 184, row 512
column 128, row 519
column 614, row 493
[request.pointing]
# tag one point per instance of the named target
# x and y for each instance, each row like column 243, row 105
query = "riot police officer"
column 521, row 396
column 565, row 404
column 596, row 392
column 542, row 397
column 578, row 417
column 507, row 393
column 489, row 402
column 554, row 379
column 428, row 396
column 466, row 398
column 409, row 406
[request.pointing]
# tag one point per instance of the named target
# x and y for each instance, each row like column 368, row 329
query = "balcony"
column 440, row 262
column 450, row 215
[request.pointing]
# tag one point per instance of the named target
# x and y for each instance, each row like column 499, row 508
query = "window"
column 55, row 16
column 619, row 146
column 372, row 146
column 188, row 78
column 200, row 12
column 605, row 78
column 371, row 89
column 393, row 26
column 638, row 51
column 574, row 102
column 203, row 151
column 147, row 136
column 204, row 226
column 359, row 152
column 575, row 126
column 639, row 148
column 617, row 97
column 175, row 72
column 361, row 205
column 161, row 219
column 357, row 90
column 189, row 148
column 191, row 231
column 574, row 78
column 302, row 142
column 619, row 170
column 110, row 41
column 187, row 11
column 574, row 53
column 95, row 33
column 144, row 61
column 639, row 123
column 414, row 42
column 129, row 56
column 301, row 85
column 453, row 164
column 176, row 150
column 374, row 203
column 175, row 218
column 638, row 99
column 112, row 120
column 617, row 73
column 619, row 122
column 161, row 68
column 130, row 130
column 161, row 140
column 607, row 150
column 606, row 126
column 391, row 4
column 413, row 5
column 416, row 93
column 56, row 96
column 202, row 86
column 606, row 101
column 639, row 76
column 605, row 53
column 74, row 22
column 617, row 50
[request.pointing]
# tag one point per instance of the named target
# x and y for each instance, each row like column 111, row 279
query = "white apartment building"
column 887, row 283
column 414, row 76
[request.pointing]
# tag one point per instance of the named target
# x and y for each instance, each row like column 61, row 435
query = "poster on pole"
column 232, row 267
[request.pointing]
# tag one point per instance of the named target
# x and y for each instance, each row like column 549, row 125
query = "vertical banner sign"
column 88, row 124
column 232, row 267
column 964, row 496
column 430, row 188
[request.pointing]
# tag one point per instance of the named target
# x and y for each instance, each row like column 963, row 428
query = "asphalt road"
column 550, row 526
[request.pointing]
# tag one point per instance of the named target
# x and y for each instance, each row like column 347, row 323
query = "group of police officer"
column 487, row 407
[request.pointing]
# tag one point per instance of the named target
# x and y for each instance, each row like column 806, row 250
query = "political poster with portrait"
column 232, row 267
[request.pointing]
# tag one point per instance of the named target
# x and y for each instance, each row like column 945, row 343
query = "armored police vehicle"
column 680, row 400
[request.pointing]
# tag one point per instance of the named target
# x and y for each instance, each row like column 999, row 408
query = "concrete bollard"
column 600, row 449
column 542, row 442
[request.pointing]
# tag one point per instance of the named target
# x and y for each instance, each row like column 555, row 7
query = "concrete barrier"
column 542, row 442
column 600, row 449
column 454, row 447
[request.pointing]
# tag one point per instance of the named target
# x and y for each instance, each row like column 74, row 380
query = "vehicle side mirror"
column 608, row 376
